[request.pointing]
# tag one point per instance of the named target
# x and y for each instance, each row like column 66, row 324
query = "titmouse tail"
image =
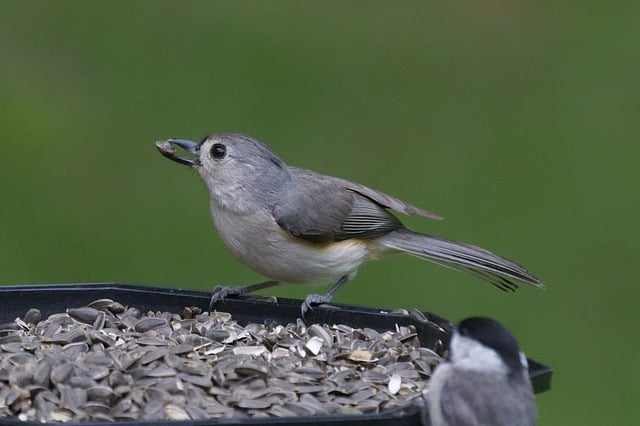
column 499, row 271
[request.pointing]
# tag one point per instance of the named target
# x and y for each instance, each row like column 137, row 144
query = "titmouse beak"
column 167, row 148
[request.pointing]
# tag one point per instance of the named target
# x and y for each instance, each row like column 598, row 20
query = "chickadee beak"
column 167, row 148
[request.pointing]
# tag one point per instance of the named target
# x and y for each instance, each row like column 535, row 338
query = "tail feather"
column 488, row 266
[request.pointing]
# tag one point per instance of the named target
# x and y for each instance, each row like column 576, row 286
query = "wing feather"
column 322, row 209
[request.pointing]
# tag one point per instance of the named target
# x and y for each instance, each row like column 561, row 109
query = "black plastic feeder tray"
column 49, row 299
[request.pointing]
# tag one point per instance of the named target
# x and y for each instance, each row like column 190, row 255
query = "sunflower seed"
column 61, row 373
column 361, row 355
column 395, row 381
column 84, row 315
column 33, row 316
column 253, row 351
column 314, row 344
column 150, row 323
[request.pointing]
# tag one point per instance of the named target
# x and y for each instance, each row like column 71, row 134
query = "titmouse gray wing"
column 322, row 209
column 387, row 200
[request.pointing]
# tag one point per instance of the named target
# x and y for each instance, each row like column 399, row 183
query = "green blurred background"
column 517, row 121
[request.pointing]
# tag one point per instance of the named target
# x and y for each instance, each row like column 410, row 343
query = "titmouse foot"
column 318, row 299
column 313, row 299
column 221, row 292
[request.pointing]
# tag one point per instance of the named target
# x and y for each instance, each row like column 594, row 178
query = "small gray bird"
column 297, row 226
column 484, row 381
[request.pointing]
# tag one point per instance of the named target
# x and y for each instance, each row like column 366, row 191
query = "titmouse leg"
column 317, row 299
column 220, row 292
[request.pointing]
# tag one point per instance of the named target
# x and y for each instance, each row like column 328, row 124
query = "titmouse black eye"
column 218, row 151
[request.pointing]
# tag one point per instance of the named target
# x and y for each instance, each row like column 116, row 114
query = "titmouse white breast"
column 297, row 226
column 483, row 381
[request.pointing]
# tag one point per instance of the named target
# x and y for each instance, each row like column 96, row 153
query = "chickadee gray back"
column 296, row 225
column 484, row 381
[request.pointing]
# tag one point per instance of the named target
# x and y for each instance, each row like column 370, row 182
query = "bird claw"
column 220, row 293
column 313, row 299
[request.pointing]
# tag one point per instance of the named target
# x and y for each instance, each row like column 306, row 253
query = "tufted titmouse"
column 484, row 380
column 298, row 226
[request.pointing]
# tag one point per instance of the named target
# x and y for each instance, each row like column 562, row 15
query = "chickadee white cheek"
column 523, row 361
column 469, row 354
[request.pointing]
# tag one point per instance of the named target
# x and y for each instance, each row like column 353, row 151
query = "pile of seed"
column 106, row 361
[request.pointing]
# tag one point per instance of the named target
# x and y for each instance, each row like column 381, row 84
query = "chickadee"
column 483, row 381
